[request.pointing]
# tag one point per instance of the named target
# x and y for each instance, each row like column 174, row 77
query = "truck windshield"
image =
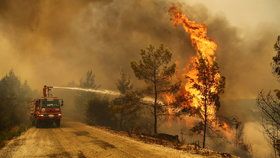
column 50, row 103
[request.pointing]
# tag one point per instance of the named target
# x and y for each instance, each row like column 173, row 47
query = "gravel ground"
column 78, row 140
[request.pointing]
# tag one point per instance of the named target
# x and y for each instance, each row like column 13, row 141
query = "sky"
column 56, row 42
column 244, row 13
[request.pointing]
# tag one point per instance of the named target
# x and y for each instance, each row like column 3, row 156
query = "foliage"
column 14, row 101
column 126, row 106
column 156, row 69
column 88, row 81
column 124, row 84
column 94, row 108
column 276, row 59
column 269, row 105
column 83, row 98
column 98, row 111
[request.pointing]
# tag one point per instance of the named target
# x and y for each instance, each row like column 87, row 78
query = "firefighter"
column 45, row 89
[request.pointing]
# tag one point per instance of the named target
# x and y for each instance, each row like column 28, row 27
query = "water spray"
column 100, row 91
column 108, row 92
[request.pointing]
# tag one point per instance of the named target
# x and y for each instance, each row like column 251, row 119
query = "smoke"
column 55, row 42
column 253, row 135
column 41, row 38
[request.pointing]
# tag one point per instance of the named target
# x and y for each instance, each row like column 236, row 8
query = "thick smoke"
column 55, row 42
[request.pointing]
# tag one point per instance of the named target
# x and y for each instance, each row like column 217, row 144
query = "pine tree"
column 83, row 98
column 127, row 104
column 204, row 81
column 156, row 69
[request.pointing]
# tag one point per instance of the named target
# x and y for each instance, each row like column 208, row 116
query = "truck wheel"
column 57, row 122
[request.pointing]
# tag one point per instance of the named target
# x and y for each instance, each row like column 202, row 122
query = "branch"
column 265, row 110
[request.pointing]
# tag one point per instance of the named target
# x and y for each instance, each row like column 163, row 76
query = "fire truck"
column 46, row 110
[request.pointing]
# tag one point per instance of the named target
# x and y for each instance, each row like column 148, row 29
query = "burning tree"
column 156, row 69
column 205, row 86
column 269, row 105
column 204, row 82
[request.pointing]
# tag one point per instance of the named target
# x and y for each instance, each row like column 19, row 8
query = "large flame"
column 205, row 48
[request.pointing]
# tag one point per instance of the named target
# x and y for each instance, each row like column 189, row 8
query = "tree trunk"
column 121, row 119
column 155, row 108
column 205, row 107
column 121, row 122
column 205, row 124
column 155, row 97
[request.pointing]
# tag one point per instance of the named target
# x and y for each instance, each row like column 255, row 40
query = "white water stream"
column 105, row 91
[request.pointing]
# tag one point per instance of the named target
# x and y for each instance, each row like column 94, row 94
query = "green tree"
column 88, row 81
column 124, row 84
column 156, row 69
column 98, row 111
column 83, row 98
column 93, row 107
column 127, row 104
column 14, row 99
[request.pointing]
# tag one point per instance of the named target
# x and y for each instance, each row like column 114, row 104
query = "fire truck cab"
column 46, row 110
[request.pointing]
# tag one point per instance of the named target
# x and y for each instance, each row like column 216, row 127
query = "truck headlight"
column 41, row 115
column 59, row 114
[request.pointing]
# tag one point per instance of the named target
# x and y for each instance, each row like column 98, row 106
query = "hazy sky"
column 55, row 42
column 244, row 13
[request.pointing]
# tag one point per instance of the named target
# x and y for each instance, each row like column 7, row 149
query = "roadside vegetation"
column 129, row 111
column 140, row 109
column 156, row 68
column 15, row 97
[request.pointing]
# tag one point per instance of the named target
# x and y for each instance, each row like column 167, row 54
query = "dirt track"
column 78, row 140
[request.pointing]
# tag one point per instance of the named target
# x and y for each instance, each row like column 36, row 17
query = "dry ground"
column 78, row 140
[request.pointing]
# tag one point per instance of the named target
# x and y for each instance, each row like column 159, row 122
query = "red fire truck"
column 46, row 110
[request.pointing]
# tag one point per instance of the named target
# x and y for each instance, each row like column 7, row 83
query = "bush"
column 98, row 112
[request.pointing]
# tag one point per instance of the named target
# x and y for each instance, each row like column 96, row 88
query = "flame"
column 197, row 32
column 205, row 49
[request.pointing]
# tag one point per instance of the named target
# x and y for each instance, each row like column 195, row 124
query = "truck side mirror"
column 61, row 103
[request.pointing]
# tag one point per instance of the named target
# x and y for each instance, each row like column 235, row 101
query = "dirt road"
column 78, row 140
